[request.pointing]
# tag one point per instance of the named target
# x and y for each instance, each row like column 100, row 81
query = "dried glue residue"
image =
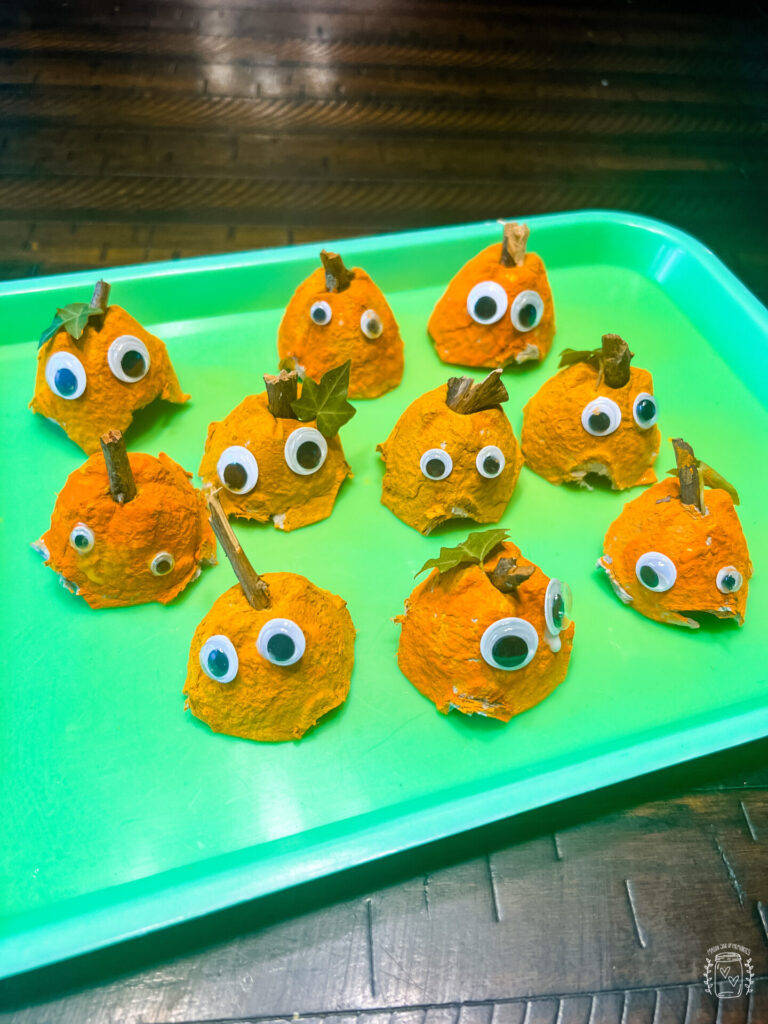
column 167, row 515
column 273, row 702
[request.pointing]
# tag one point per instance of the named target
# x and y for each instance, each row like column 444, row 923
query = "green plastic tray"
column 122, row 813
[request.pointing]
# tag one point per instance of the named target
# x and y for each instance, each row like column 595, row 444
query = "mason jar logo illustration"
column 728, row 975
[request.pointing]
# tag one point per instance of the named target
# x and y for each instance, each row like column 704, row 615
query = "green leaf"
column 712, row 479
column 326, row 402
column 570, row 356
column 75, row 317
column 49, row 331
column 475, row 548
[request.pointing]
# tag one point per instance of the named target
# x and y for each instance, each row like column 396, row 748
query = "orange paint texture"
column 313, row 348
column 698, row 545
column 289, row 499
column 461, row 340
column 558, row 447
column 265, row 701
column 168, row 515
column 429, row 423
column 444, row 621
column 107, row 402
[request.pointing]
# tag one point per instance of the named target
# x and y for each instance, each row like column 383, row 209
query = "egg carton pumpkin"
column 678, row 549
column 127, row 529
column 277, row 455
column 498, row 309
column 452, row 454
column 272, row 656
column 596, row 417
column 96, row 365
column 487, row 633
column 336, row 315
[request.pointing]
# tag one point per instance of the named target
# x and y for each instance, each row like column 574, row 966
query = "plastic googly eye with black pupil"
column 656, row 571
column 490, row 461
column 320, row 313
column 305, row 451
column 218, row 658
column 238, row 469
column 371, row 325
column 487, row 302
column 509, row 644
column 81, row 538
column 527, row 310
column 558, row 603
column 162, row 564
column 644, row 410
column 281, row 642
column 729, row 580
column 65, row 375
column 436, row 464
column 128, row 359
column 601, row 416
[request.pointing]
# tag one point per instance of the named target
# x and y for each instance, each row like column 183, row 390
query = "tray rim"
column 74, row 927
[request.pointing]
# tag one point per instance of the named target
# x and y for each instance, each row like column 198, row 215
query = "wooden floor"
column 163, row 129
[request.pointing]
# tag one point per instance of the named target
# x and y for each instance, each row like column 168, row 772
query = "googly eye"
column 509, row 644
column 558, row 602
column 218, row 658
column 81, row 538
column 729, row 580
column 162, row 563
column 655, row 571
column 527, row 310
column 371, row 325
column 490, row 461
column 65, row 375
column 238, row 469
column 645, row 410
column 305, row 451
column 487, row 302
column 601, row 417
column 436, row 464
column 128, row 358
column 281, row 641
column 320, row 313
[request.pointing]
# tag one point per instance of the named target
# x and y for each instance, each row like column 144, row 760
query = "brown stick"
column 616, row 360
column 281, row 391
column 465, row 396
column 513, row 243
column 691, row 481
column 337, row 277
column 100, row 297
column 254, row 587
column 122, row 485
column 507, row 576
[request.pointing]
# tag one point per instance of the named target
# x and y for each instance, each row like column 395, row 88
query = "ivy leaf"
column 475, row 548
column 326, row 402
column 49, row 331
column 570, row 356
column 74, row 318
column 712, row 479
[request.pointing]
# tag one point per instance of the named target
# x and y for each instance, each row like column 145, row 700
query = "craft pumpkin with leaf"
column 487, row 633
column 277, row 455
column 96, row 365
column 338, row 314
column 498, row 309
column 596, row 417
column 452, row 455
column 272, row 656
column 678, row 550
column 127, row 529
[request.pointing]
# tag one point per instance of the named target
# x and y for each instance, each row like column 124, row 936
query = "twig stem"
column 254, row 587
column 122, row 485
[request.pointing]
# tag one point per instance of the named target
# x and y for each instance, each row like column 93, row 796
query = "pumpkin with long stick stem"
column 452, row 454
column 277, row 455
column 678, row 549
column 497, row 310
column 127, row 529
column 96, row 366
column 487, row 633
column 272, row 656
column 595, row 418
column 338, row 314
